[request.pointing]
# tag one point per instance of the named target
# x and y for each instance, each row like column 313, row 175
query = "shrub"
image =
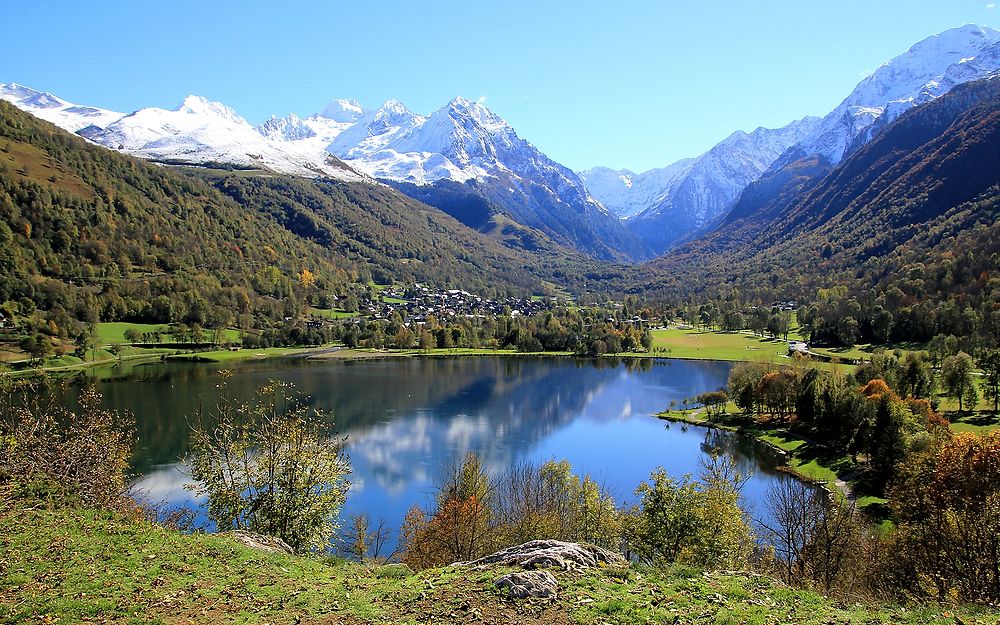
column 475, row 514
column 273, row 467
column 49, row 450
column 690, row 522
column 946, row 501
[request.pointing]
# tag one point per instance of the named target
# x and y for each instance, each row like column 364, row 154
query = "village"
column 418, row 302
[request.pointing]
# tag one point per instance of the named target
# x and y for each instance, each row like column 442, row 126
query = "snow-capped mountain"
column 200, row 131
column 664, row 205
column 627, row 193
column 464, row 142
column 461, row 141
column 926, row 71
column 197, row 131
column 344, row 111
column 67, row 115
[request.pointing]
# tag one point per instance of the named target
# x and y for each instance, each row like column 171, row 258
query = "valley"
column 393, row 343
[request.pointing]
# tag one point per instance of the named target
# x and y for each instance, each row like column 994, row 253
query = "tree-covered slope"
column 89, row 234
column 920, row 202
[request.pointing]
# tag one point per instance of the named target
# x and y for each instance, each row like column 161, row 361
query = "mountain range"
column 917, row 208
column 469, row 162
column 665, row 205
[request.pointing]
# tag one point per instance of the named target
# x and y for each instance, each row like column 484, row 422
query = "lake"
column 405, row 419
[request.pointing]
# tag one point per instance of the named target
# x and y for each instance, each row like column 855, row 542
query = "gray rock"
column 525, row 584
column 552, row 554
column 270, row 544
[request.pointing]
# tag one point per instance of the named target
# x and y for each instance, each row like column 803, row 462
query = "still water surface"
column 405, row 419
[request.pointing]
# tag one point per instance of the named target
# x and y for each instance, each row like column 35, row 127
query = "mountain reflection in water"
column 405, row 419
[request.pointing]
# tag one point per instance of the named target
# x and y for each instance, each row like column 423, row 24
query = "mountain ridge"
column 466, row 143
column 685, row 204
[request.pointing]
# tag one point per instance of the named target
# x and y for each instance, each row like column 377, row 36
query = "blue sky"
column 623, row 84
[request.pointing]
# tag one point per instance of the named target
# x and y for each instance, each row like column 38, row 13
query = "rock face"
column 552, row 554
column 260, row 542
column 526, row 584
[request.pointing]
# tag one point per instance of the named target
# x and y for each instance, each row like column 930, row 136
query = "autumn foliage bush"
column 475, row 514
column 947, row 504
column 50, row 451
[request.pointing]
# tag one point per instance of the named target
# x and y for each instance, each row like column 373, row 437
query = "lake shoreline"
column 842, row 487
column 338, row 352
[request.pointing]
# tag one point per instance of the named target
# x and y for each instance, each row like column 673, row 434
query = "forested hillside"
column 88, row 234
column 905, row 229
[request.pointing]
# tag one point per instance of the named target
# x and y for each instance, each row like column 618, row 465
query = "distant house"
column 798, row 346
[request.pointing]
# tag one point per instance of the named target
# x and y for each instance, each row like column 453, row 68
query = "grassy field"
column 114, row 332
column 74, row 566
column 865, row 351
column 700, row 345
column 981, row 422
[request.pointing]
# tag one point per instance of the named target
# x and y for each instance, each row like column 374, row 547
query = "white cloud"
column 990, row 5
column 482, row 99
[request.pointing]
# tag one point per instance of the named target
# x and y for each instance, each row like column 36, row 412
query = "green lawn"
column 865, row 351
column 981, row 422
column 737, row 346
column 114, row 331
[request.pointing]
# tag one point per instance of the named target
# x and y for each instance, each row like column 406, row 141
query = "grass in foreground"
column 69, row 565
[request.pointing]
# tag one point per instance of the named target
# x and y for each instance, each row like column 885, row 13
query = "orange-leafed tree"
column 460, row 528
column 946, row 501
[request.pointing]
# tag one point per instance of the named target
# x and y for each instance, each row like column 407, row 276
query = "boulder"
column 525, row 584
column 260, row 542
column 551, row 554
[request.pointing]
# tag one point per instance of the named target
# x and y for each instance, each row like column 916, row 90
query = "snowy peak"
column 200, row 106
column 56, row 110
column 290, row 128
column 460, row 141
column 392, row 114
column 46, row 101
column 929, row 69
column 15, row 92
column 461, row 109
column 202, row 131
column 343, row 111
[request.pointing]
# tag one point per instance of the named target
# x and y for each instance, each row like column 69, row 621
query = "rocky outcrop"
column 528, row 584
column 269, row 544
column 552, row 554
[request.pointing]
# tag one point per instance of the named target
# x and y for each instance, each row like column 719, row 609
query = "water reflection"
column 405, row 419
